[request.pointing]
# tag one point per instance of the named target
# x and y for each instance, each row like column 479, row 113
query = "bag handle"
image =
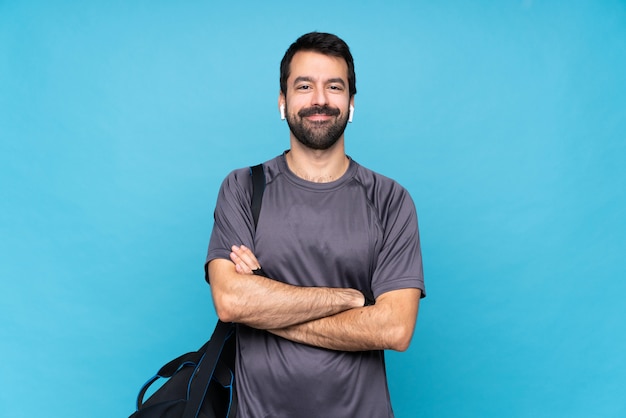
column 170, row 369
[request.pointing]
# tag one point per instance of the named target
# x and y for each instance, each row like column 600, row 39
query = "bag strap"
column 258, row 187
column 206, row 368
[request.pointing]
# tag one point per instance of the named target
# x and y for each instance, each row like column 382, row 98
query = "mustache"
column 318, row 110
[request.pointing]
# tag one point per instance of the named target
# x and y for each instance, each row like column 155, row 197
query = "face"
column 317, row 101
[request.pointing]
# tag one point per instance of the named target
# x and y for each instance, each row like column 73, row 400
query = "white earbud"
column 282, row 112
column 351, row 114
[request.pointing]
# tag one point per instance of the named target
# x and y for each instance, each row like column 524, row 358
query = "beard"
column 317, row 135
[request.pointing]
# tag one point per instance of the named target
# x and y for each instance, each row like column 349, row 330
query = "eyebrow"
column 310, row 80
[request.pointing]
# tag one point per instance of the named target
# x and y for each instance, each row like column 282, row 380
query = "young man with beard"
column 339, row 245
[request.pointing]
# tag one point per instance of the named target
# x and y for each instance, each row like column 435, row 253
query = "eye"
column 336, row 87
column 304, row 87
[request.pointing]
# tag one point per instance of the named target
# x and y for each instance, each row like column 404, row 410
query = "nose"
column 319, row 97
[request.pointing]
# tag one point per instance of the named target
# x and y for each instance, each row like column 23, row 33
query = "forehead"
column 317, row 66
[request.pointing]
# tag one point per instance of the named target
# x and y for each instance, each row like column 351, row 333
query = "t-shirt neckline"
column 311, row 185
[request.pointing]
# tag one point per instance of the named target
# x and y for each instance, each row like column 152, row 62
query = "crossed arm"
column 331, row 318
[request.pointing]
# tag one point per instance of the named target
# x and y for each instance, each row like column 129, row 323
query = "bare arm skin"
column 388, row 324
column 259, row 302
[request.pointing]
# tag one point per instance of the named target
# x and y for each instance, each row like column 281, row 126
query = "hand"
column 245, row 261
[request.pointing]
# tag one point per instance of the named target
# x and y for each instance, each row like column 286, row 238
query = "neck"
column 318, row 166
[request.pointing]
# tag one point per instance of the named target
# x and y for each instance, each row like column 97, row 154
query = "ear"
column 281, row 106
column 351, row 111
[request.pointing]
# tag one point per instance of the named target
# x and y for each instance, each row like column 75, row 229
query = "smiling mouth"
column 318, row 117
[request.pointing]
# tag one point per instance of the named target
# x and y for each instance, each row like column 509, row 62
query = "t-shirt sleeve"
column 233, row 224
column 399, row 262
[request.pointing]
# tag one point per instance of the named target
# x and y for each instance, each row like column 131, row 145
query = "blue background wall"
column 505, row 120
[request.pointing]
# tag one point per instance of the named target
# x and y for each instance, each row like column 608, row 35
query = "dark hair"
column 323, row 43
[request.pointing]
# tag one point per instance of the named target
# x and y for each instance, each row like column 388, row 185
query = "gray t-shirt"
column 359, row 232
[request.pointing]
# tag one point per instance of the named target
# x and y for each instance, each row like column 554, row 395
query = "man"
column 331, row 235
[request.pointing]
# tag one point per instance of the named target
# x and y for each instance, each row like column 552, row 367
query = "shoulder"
column 381, row 191
column 240, row 178
column 237, row 182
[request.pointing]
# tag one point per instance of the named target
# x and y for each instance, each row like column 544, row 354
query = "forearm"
column 379, row 327
column 344, row 331
column 264, row 303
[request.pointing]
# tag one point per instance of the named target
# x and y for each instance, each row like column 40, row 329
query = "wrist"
column 369, row 301
column 259, row 272
column 347, row 298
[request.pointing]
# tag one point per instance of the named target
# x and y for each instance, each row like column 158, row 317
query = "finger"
column 246, row 256
column 242, row 270
column 240, row 265
column 235, row 258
